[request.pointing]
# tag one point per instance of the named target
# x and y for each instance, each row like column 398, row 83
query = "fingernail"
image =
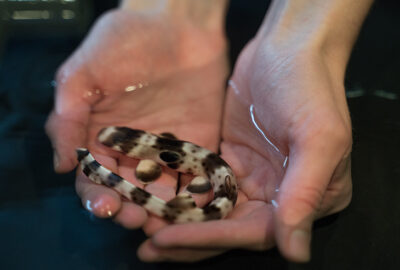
column 102, row 208
column 56, row 160
column 299, row 245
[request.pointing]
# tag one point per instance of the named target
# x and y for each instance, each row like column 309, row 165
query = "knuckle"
column 301, row 205
column 341, row 135
column 264, row 245
column 340, row 198
column 49, row 125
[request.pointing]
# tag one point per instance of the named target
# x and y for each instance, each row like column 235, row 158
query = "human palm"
column 144, row 74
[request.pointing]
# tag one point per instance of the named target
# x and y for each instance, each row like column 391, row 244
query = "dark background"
column 42, row 224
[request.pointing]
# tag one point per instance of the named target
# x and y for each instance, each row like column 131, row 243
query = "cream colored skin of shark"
column 144, row 150
column 224, row 205
column 106, row 133
column 222, row 172
column 192, row 215
column 144, row 166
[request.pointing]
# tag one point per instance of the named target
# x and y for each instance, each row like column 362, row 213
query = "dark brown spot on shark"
column 140, row 196
column 169, row 145
column 181, row 202
column 124, row 137
column 202, row 188
column 169, row 214
column 113, row 180
column 168, row 135
column 212, row 162
column 94, row 165
column 212, row 212
column 87, row 171
column 82, row 153
column 173, row 165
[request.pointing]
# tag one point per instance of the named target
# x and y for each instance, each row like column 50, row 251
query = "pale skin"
column 292, row 72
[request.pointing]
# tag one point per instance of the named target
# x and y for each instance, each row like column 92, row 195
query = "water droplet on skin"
column 134, row 87
column 285, row 162
column 274, row 204
column 130, row 88
column 276, row 157
column 234, row 87
column 243, row 97
column 253, row 120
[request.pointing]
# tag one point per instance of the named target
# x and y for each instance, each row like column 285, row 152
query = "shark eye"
column 169, row 157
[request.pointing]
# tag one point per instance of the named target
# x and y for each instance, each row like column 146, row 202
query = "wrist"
column 204, row 14
column 325, row 27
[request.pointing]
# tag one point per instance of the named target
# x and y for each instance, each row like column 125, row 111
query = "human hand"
column 291, row 77
column 306, row 117
column 145, row 71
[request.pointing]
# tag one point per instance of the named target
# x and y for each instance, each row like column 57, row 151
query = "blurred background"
column 42, row 223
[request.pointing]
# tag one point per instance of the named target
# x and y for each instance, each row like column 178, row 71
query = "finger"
column 250, row 226
column 299, row 199
column 339, row 192
column 131, row 216
column 149, row 253
column 67, row 124
column 102, row 201
column 65, row 136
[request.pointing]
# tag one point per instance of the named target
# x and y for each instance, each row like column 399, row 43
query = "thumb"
column 299, row 199
column 67, row 123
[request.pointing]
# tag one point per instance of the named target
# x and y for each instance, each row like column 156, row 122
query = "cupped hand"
column 142, row 71
column 282, row 103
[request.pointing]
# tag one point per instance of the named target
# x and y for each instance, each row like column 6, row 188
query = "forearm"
column 209, row 14
column 328, row 26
